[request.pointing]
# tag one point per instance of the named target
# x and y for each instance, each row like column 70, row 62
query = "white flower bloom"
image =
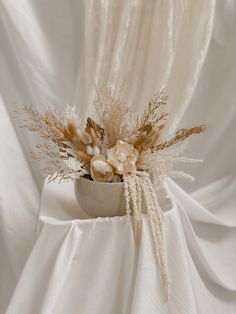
column 123, row 157
column 100, row 169
column 96, row 151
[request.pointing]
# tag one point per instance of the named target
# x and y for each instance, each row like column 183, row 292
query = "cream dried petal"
column 89, row 150
column 96, row 151
column 123, row 157
column 101, row 170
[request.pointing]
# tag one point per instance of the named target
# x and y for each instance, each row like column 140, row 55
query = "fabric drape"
column 137, row 48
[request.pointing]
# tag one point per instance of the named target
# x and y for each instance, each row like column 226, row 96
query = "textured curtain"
column 137, row 48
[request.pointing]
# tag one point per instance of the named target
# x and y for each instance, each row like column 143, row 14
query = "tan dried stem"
column 180, row 136
column 151, row 113
column 139, row 189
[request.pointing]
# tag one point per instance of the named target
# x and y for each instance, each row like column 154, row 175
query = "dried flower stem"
column 136, row 185
column 180, row 136
column 151, row 113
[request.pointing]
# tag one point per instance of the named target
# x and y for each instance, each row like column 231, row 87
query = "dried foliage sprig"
column 180, row 136
column 151, row 114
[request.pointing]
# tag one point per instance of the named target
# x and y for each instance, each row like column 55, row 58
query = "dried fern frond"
column 180, row 136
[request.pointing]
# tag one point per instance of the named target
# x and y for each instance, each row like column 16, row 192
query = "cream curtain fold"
column 137, row 48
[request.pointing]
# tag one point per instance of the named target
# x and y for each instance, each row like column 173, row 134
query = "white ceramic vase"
column 100, row 199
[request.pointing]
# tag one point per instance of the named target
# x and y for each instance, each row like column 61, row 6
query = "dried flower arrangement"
column 122, row 146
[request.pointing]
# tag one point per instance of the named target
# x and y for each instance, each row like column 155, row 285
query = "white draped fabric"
column 92, row 266
column 136, row 48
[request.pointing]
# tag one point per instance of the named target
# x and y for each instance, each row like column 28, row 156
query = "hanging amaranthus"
column 139, row 192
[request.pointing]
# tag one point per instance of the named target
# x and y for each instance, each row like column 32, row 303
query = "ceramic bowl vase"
column 99, row 199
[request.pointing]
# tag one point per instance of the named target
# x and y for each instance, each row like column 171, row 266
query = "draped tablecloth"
column 91, row 266
column 191, row 48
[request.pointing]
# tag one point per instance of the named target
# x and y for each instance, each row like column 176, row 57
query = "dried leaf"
column 180, row 136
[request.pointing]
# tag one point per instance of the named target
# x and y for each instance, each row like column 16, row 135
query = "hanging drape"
column 137, row 48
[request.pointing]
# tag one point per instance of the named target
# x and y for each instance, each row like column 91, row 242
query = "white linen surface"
column 67, row 271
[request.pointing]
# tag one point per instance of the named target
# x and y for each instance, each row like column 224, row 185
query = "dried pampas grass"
column 112, row 116
column 61, row 142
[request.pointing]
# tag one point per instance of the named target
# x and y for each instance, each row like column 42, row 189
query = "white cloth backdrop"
column 137, row 47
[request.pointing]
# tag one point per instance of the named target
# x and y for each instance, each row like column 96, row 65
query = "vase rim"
column 98, row 182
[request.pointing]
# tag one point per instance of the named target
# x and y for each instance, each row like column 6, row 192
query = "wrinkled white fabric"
column 92, row 265
column 19, row 205
column 158, row 43
column 214, row 103
column 39, row 59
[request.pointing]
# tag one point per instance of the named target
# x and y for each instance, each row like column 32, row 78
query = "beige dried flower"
column 123, row 157
column 101, row 170
column 120, row 135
